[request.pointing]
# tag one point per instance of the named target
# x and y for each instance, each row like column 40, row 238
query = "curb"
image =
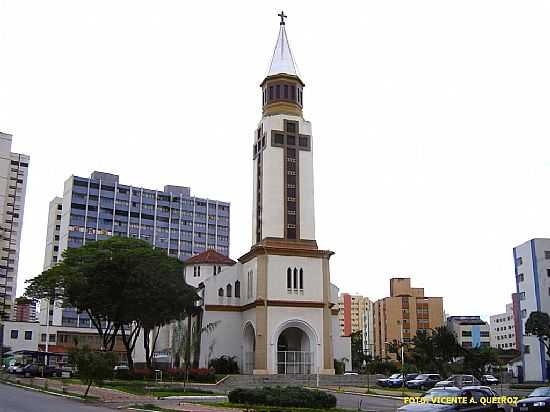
column 42, row 390
column 399, row 398
column 194, row 398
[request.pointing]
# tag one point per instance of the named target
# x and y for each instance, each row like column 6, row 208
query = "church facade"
column 275, row 309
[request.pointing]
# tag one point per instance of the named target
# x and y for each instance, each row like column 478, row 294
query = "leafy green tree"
column 124, row 285
column 93, row 367
column 422, row 353
column 476, row 360
column 357, row 352
column 538, row 324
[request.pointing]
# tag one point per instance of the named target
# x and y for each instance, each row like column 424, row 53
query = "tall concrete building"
column 503, row 329
column 25, row 309
column 13, row 185
column 52, row 253
column 406, row 310
column 356, row 313
column 99, row 207
column 532, row 271
column 470, row 331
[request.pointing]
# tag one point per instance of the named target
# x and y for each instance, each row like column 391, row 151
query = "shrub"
column 289, row 396
column 339, row 367
column 142, row 373
column 224, row 365
column 202, row 375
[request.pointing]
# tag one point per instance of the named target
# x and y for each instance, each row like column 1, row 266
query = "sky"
column 430, row 123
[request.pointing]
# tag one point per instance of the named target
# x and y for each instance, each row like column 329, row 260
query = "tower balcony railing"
column 294, row 362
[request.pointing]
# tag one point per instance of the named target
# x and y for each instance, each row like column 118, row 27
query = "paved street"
column 366, row 403
column 14, row 399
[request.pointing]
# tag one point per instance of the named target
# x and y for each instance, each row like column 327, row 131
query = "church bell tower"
column 283, row 155
column 291, row 310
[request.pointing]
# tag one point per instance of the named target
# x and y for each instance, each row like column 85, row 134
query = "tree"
column 422, row 354
column 93, row 367
column 538, row 324
column 357, row 352
column 477, row 359
column 124, row 285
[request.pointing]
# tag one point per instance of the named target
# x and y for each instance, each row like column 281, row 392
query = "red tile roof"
column 210, row 256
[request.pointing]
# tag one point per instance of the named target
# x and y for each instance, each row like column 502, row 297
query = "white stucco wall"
column 277, row 277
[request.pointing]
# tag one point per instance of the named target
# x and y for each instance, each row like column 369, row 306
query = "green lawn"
column 139, row 388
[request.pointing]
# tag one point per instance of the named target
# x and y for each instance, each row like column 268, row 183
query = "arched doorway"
column 294, row 352
column 249, row 349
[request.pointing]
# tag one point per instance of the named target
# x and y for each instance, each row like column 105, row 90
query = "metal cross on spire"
column 283, row 16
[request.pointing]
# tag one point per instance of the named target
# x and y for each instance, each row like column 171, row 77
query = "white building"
column 13, row 185
column 532, row 270
column 275, row 309
column 502, row 329
column 470, row 331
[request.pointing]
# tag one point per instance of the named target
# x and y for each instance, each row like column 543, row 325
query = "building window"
column 14, row 334
column 249, row 285
column 295, row 278
column 229, row 290
column 548, row 272
column 220, row 292
column 43, row 337
column 547, row 254
column 237, row 289
column 301, row 279
column 526, row 349
column 289, row 278
column 28, row 335
column 519, row 261
column 219, row 269
column 52, row 338
column 522, row 296
column 521, row 277
column 214, row 270
column 524, row 313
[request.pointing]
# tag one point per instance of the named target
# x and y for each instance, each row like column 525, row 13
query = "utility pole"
column 400, row 323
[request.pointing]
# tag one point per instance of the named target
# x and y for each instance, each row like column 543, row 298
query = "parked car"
column 489, row 380
column 458, row 381
column 398, row 382
column 439, row 399
column 384, row 381
column 538, row 400
column 424, row 381
column 13, row 368
column 33, row 369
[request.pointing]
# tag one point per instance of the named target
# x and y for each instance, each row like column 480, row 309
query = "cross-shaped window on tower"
column 292, row 142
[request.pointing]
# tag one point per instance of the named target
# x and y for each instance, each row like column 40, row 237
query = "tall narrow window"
column 220, row 292
column 277, row 92
column 229, row 290
column 237, row 289
column 219, row 269
column 289, row 278
column 295, row 283
column 214, row 270
column 301, row 279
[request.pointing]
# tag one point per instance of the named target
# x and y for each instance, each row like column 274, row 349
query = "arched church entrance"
column 249, row 349
column 294, row 352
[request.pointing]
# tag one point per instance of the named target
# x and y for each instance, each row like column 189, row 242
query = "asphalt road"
column 13, row 399
column 366, row 403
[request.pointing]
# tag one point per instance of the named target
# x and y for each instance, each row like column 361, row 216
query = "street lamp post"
column 400, row 323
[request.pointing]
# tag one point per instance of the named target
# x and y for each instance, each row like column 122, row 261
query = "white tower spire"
column 282, row 61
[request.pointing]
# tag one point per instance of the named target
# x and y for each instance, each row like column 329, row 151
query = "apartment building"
column 532, row 272
column 470, row 331
column 99, row 207
column 356, row 313
column 404, row 312
column 25, row 309
column 503, row 329
column 13, row 185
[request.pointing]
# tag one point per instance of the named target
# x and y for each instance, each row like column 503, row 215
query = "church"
column 274, row 309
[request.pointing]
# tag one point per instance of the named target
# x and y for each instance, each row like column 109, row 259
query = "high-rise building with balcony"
column 99, row 207
column 13, row 185
column 397, row 318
